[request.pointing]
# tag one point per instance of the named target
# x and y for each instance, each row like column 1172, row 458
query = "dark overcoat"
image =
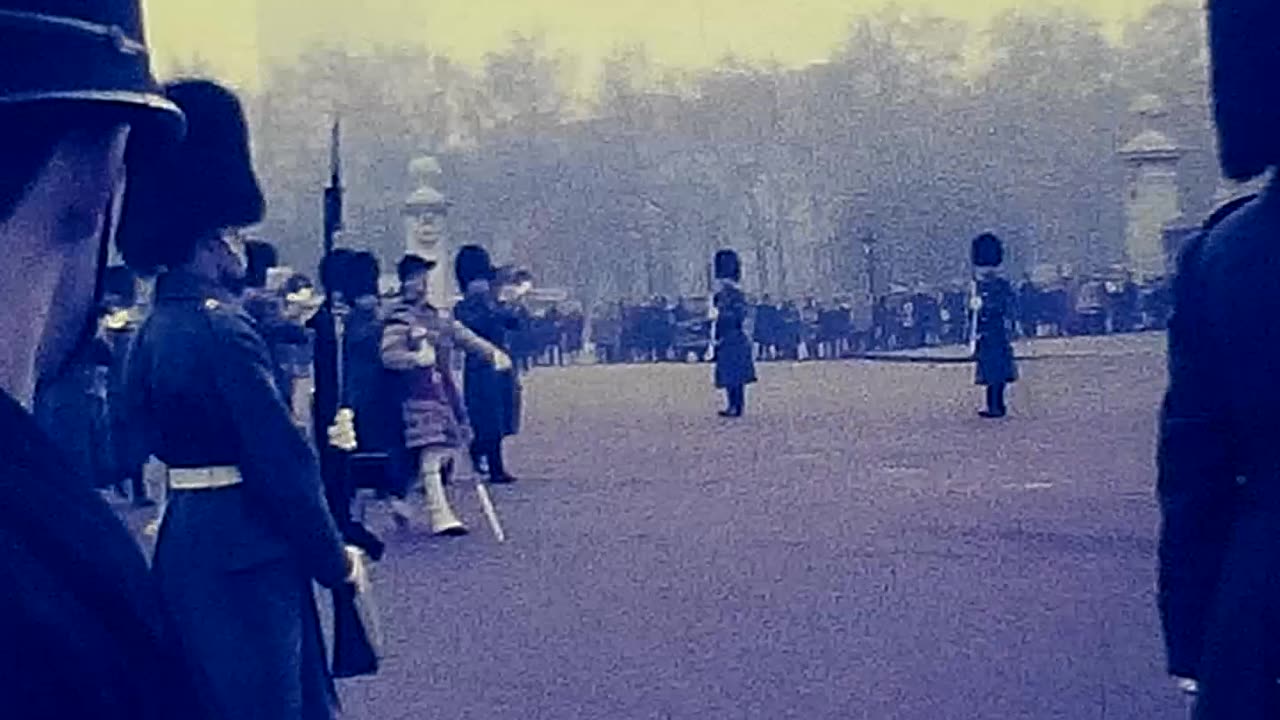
column 994, row 350
column 83, row 630
column 125, row 463
column 368, row 388
column 73, row 411
column 492, row 397
column 235, row 565
column 1219, row 467
column 735, row 364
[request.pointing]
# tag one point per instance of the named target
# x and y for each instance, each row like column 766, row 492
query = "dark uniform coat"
column 996, row 365
column 73, row 411
column 235, row 565
column 492, row 397
column 125, row 463
column 735, row 365
column 279, row 332
column 83, row 630
column 1219, row 467
column 367, row 385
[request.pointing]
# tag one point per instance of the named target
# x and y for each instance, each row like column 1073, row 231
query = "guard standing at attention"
column 246, row 529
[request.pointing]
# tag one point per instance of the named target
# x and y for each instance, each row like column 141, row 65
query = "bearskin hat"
column 727, row 266
column 260, row 256
column 987, row 251
column 1244, row 47
column 335, row 270
column 363, row 273
column 472, row 263
column 204, row 185
column 120, row 282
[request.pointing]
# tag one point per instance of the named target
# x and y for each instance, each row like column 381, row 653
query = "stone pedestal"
column 1152, row 202
column 425, row 211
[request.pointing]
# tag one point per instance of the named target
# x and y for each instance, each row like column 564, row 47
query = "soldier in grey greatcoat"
column 246, row 529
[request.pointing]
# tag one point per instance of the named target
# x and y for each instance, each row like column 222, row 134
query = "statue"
column 1152, row 203
column 425, row 211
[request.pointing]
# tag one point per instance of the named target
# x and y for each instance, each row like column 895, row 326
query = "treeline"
column 918, row 132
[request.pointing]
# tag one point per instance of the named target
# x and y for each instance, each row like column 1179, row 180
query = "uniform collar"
column 182, row 285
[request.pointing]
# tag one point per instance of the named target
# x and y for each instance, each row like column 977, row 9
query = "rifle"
column 975, row 306
column 354, row 653
column 333, row 193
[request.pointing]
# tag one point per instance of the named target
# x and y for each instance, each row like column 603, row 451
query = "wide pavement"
column 861, row 545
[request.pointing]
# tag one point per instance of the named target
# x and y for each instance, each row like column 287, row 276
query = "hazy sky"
column 224, row 34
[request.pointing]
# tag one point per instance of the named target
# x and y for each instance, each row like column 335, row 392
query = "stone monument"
column 1152, row 203
column 425, row 211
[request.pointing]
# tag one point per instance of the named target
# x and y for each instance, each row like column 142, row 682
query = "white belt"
column 210, row 478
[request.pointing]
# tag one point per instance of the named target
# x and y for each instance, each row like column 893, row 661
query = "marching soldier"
column 993, row 303
column 246, row 529
column 84, row 635
column 417, row 343
column 492, row 393
column 735, row 366
column 330, row 393
column 1218, row 456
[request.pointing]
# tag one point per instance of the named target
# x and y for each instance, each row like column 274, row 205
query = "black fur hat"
column 727, row 266
column 204, row 185
column 121, row 282
column 260, row 256
column 1244, row 45
column 987, row 251
column 472, row 263
column 363, row 275
column 335, row 270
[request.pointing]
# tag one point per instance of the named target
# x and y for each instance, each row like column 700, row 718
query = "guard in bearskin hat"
column 1219, row 582
column 993, row 301
column 83, row 633
column 246, row 529
column 492, row 395
column 734, row 365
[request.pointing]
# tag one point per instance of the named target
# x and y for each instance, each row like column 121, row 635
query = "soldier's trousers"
column 995, row 398
column 737, row 397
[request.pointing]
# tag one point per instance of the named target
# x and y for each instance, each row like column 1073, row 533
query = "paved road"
column 860, row 546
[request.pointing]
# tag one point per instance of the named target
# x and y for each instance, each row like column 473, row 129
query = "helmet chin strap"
column 90, row 328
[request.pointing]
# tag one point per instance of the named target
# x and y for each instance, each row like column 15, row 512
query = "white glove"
column 501, row 361
column 342, row 433
column 1188, row 686
column 357, row 567
column 426, row 356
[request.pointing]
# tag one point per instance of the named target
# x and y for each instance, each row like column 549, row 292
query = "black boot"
column 995, row 402
column 736, row 397
column 498, row 474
